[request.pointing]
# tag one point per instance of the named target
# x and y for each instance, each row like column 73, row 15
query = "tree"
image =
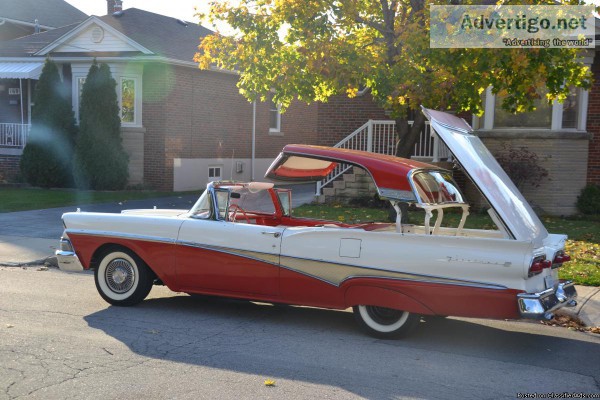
column 46, row 159
column 311, row 50
column 100, row 160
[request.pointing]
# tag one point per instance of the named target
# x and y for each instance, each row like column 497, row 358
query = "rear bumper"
column 543, row 304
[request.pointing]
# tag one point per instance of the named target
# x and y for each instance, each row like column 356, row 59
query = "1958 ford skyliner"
column 241, row 240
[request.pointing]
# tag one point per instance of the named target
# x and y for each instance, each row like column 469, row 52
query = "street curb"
column 585, row 294
column 50, row 261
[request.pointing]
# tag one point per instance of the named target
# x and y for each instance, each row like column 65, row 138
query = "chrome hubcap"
column 120, row 275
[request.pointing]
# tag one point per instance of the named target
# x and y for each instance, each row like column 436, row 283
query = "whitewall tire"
column 385, row 323
column 122, row 278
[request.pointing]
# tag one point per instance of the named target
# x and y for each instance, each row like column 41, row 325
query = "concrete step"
column 341, row 184
column 350, row 177
column 328, row 191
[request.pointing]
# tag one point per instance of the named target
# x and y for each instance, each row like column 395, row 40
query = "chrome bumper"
column 542, row 305
column 67, row 259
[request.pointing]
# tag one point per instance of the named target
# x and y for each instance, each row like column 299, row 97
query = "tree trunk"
column 408, row 135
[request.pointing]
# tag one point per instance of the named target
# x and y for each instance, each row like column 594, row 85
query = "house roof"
column 164, row 36
column 51, row 13
column 26, row 46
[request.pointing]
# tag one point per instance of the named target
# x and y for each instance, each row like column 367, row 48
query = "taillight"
column 538, row 265
column 560, row 258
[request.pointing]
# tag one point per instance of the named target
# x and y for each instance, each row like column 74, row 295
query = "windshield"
column 202, row 208
column 258, row 202
column 436, row 187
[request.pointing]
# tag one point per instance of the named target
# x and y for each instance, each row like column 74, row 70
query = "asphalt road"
column 59, row 340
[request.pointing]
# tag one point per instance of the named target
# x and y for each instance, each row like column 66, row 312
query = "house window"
column 214, row 174
column 570, row 110
column 77, row 90
column 540, row 118
column 128, row 100
column 569, row 115
column 274, row 115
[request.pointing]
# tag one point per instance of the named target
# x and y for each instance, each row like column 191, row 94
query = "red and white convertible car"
column 241, row 240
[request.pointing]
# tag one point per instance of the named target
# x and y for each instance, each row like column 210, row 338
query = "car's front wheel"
column 122, row 278
column 385, row 323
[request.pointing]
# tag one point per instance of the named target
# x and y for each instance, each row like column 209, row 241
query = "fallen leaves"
column 269, row 382
column 570, row 322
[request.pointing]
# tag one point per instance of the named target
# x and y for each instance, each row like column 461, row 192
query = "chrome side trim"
column 329, row 272
column 253, row 255
column 121, row 235
column 336, row 273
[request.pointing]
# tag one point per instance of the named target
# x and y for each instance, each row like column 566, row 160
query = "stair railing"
column 379, row 136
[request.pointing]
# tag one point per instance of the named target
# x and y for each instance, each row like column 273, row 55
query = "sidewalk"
column 588, row 305
column 18, row 250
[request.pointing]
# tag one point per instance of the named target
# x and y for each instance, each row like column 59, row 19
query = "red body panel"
column 441, row 299
column 202, row 269
column 198, row 270
column 159, row 256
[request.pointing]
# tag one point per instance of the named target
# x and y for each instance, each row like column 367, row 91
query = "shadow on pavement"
column 273, row 341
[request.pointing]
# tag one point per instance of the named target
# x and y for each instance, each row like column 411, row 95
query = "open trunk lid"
column 483, row 169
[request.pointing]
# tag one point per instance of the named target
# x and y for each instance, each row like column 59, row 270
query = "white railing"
column 379, row 136
column 13, row 135
column 429, row 146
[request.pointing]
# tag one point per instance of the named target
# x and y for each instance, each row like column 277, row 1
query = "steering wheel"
column 233, row 211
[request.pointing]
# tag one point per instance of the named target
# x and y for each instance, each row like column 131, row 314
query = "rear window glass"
column 436, row 187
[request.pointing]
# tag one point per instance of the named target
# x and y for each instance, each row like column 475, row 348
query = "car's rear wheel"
column 122, row 278
column 385, row 323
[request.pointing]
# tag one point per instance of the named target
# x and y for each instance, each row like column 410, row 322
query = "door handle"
column 275, row 234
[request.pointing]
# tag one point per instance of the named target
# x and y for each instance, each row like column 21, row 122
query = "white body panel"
column 230, row 235
column 492, row 262
column 157, row 228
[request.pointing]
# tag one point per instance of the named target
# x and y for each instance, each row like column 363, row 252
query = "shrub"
column 588, row 202
column 100, row 160
column 46, row 159
column 521, row 165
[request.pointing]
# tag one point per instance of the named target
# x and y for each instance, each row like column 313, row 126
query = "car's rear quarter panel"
column 439, row 274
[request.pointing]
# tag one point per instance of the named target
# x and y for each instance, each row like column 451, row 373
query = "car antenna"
column 232, row 157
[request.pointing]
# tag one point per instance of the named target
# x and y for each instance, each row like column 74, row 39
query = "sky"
column 182, row 9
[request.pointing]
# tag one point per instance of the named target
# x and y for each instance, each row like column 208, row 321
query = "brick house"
column 184, row 127
column 21, row 18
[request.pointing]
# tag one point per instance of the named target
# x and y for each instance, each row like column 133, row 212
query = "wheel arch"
column 96, row 256
column 365, row 294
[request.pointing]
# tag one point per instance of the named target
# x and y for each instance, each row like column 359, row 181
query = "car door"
column 230, row 258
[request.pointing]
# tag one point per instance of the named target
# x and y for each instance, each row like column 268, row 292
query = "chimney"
column 113, row 6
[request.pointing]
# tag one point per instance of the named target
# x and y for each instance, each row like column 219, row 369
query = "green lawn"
column 32, row 199
column 583, row 245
